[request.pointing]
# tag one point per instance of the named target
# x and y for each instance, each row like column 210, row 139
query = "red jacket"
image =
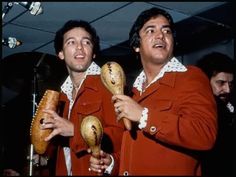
column 92, row 99
column 182, row 121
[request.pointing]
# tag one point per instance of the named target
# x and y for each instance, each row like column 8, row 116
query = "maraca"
column 113, row 77
column 92, row 131
column 50, row 101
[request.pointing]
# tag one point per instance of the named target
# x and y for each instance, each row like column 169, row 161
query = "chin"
column 224, row 99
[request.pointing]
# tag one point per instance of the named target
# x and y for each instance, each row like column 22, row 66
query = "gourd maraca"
column 50, row 101
column 92, row 131
column 113, row 77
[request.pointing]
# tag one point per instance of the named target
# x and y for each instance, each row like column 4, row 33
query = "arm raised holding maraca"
column 113, row 78
column 128, row 108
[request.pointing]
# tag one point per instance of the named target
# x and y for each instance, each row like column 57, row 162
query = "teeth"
column 79, row 56
column 158, row 45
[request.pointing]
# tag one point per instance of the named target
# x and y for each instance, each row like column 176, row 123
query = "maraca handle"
column 96, row 151
column 127, row 123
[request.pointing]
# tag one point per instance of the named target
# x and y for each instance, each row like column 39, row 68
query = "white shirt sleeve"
column 143, row 119
column 110, row 167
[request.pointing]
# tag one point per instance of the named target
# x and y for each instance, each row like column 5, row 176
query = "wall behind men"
column 225, row 47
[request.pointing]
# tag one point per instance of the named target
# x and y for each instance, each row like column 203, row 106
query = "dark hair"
column 146, row 15
column 58, row 40
column 214, row 63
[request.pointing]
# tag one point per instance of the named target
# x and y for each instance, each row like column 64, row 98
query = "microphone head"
column 36, row 8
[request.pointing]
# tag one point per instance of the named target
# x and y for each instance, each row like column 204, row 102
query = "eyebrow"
column 222, row 80
column 166, row 26
column 153, row 26
column 69, row 39
column 89, row 38
column 85, row 37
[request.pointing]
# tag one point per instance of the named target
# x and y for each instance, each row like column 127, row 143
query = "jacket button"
column 153, row 129
column 126, row 173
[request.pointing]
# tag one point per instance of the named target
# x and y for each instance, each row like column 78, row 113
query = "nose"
column 79, row 45
column 227, row 87
column 159, row 34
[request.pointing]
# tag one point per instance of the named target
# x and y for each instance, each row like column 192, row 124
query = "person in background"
column 82, row 94
column 173, row 111
column 219, row 69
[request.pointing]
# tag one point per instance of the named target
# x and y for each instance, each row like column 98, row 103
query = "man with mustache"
column 220, row 70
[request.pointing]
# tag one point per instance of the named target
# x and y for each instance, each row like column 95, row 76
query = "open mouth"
column 159, row 45
column 79, row 56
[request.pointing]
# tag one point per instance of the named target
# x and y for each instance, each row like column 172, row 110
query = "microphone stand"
column 34, row 106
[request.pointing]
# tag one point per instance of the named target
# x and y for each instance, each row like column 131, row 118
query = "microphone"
column 11, row 42
column 35, row 8
column 6, row 9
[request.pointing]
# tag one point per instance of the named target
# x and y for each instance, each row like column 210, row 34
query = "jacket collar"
column 67, row 86
column 172, row 66
column 168, row 80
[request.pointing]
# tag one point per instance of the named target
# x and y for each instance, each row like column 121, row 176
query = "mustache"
column 223, row 95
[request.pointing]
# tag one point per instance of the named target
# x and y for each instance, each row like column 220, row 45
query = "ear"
column 136, row 49
column 61, row 55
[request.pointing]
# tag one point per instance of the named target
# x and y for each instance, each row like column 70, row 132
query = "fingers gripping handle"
column 113, row 78
column 127, row 123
